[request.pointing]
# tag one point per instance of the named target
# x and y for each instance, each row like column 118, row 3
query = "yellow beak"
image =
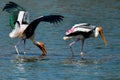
column 43, row 49
column 102, row 35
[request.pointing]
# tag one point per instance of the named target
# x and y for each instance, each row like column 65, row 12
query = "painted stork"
column 81, row 32
column 22, row 28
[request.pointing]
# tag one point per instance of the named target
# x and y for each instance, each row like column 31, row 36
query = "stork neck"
column 95, row 33
column 33, row 40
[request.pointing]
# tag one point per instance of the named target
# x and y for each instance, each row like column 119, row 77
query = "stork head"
column 100, row 30
column 43, row 49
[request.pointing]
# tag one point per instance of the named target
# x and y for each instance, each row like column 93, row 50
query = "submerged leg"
column 81, row 53
column 72, row 44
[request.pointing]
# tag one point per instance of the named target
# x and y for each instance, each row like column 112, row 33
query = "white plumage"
column 15, row 32
column 23, row 16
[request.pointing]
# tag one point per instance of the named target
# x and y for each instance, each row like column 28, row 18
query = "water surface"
column 103, row 63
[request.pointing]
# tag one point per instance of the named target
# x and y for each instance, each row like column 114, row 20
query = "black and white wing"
column 13, row 9
column 83, row 27
column 80, row 29
column 50, row 18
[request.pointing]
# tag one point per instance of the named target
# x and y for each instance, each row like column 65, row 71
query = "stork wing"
column 80, row 28
column 13, row 9
column 50, row 18
column 85, row 27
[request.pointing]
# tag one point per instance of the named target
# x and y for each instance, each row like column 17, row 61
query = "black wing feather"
column 85, row 34
column 12, row 7
column 52, row 18
column 32, row 26
column 13, row 10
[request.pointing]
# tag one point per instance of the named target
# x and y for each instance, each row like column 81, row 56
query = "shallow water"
column 102, row 63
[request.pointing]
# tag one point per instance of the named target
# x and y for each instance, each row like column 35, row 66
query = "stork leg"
column 16, row 47
column 71, row 46
column 81, row 53
column 24, row 47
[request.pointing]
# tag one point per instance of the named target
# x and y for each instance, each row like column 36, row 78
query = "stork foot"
column 82, row 56
column 24, row 54
column 19, row 58
column 42, row 55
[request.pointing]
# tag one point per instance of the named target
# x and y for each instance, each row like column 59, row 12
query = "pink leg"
column 71, row 46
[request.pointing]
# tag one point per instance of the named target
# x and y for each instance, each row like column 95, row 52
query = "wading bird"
column 81, row 32
column 19, row 22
